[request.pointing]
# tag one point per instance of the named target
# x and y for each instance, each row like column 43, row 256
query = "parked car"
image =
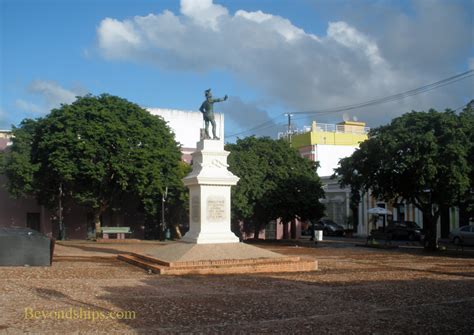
column 330, row 227
column 404, row 230
column 462, row 235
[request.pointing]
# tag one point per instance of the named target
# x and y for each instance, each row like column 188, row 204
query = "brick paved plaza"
column 356, row 291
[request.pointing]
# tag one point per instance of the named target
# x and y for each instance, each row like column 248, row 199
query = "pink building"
column 275, row 230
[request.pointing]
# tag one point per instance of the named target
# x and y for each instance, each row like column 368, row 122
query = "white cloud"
column 348, row 36
column 298, row 69
column 115, row 35
column 54, row 94
column 203, row 12
column 28, row 106
column 46, row 96
column 274, row 24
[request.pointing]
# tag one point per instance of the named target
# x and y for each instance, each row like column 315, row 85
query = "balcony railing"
column 329, row 128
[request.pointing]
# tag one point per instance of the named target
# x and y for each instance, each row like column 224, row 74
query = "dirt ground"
column 356, row 291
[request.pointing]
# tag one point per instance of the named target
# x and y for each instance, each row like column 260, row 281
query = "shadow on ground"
column 299, row 303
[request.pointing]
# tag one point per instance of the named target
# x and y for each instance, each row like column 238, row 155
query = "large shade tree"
column 101, row 152
column 466, row 201
column 275, row 183
column 420, row 158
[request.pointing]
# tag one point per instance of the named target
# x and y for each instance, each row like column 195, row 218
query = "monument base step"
column 291, row 264
column 235, row 258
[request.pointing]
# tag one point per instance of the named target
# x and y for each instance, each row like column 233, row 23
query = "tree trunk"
column 355, row 218
column 430, row 223
column 97, row 223
column 256, row 232
column 285, row 230
column 293, row 229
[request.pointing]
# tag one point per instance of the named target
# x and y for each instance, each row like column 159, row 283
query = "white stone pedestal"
column 209, row 195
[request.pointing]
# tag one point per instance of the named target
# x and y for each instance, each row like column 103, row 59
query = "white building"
column 186, row 126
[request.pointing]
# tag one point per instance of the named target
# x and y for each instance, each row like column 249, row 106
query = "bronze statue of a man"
column 207, row 110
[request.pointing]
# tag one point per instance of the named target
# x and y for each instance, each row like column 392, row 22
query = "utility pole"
column 163, row 200
column 288, row 132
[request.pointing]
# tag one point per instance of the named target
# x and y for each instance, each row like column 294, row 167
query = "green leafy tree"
column 275, row 183
column 178, row 202
column 17, row 163
column 100, row 151
column 420, row 158
column 296, row 197
column 466, row 202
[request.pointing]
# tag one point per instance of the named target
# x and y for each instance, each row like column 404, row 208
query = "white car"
column 462, row 235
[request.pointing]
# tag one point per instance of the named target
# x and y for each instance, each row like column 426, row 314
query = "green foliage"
column 178, row 201
column 17, row 164
column 103, row 151
column 275, row 182
column 467, row 126
column 419, row 157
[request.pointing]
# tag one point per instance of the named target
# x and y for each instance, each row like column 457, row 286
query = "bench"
column 120, row 231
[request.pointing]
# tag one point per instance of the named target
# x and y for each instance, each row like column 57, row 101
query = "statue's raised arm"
column 220, row 99
column 207, row 110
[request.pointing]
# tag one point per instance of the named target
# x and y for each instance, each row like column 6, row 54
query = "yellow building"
column 328, row 143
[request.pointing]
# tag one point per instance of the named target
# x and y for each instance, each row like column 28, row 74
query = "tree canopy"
column 101, row 151
column 275, row 183
column 466, row 202
column 420, row 157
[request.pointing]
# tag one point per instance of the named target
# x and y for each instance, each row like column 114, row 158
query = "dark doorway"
column 33, row 221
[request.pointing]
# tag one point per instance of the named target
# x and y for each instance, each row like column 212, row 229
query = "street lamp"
column 62, row 233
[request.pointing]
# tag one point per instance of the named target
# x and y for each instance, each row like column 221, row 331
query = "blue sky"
column 270, row 57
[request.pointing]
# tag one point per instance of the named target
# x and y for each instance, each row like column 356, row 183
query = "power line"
column 397, row 96
column 266, row 124
column 463, row 106
column 373, row 102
